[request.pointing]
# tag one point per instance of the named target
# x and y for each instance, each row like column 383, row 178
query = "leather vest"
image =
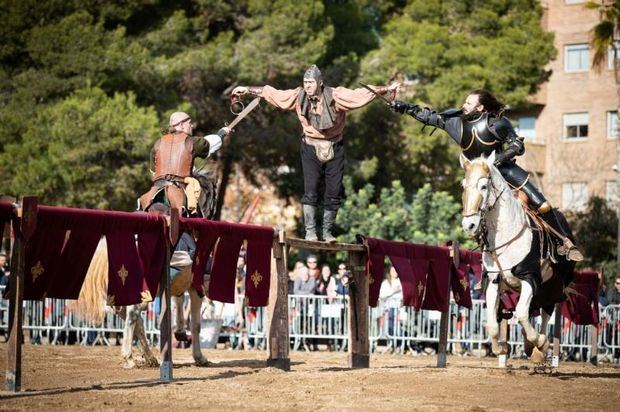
column 173, row 156
column 478, row 139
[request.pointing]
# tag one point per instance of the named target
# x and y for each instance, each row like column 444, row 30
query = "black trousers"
column 331, row 172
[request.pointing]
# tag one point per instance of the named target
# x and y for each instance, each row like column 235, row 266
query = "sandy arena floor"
column 91, row 378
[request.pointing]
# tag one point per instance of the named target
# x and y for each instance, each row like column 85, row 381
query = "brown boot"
column 569, row 250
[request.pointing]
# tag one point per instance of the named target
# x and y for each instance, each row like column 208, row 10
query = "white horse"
column 92, row 302
column 512, row 254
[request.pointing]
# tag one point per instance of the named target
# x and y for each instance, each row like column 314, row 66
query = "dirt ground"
column 91, row 378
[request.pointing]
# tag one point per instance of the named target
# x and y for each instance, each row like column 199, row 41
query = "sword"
column 245, row 112
column 370, row 89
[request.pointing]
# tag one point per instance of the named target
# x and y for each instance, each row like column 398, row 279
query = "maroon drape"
column 582, row 307
column 224, row 240
column 460, row 279
column 59, row 252
column 423, row 271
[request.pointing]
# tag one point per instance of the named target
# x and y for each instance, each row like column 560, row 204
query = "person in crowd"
column 294, row 274
column 324, row 280
column 613, row 295
column 4, row 278
column 602, row 290
column 313, row 265
column 304, row 284
column 391, row 294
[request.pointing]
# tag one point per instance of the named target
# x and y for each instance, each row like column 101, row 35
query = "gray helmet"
column 313, row 72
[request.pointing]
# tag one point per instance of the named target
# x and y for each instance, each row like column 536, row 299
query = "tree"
column 595, row 231
column 429, row 217
column 441, row 50
column 605, row 37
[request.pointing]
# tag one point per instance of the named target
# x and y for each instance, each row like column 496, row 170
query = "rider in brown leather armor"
column 172, row 160
column 479, row 128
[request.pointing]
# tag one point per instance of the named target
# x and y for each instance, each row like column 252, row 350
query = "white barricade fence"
column 321, row 320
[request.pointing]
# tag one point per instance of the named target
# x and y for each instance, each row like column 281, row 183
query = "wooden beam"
column 557, row 335
column 442, row 352
column 277, row 310
column 316, row 245
column 358, row 311
column 13, row 376
column 165, row 327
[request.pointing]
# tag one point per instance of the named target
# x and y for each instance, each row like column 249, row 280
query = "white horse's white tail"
column 92, row 300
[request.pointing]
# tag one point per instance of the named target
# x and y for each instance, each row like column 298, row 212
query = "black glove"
column 398, row 106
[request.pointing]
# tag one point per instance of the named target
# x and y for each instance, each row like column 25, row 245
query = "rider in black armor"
column 479, row 128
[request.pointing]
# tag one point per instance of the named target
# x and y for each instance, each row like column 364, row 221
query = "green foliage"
column 428, row 217
column 596, row 232
column 89, row 150
column 85, row 84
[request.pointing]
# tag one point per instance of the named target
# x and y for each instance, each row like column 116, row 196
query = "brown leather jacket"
column 172, row 156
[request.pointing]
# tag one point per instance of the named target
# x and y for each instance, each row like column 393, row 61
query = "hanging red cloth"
column 581, row 306
column 224, row 240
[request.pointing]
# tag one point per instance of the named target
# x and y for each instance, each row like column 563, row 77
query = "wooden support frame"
column 165, row 337
column 278, row 339
column 358, row 348
column 444, row 321
column 13, row 376
column 557, row 335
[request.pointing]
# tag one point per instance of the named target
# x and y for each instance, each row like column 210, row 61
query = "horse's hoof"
column 202, row 362
column 538, row 357
column 180, row 335
column 129, row 364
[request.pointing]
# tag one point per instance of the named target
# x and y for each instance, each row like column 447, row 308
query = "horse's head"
column 479, row 193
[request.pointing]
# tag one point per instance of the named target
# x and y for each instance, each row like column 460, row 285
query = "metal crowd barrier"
column 321, row 320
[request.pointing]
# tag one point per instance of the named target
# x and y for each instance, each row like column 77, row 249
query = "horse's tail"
column 92, row 300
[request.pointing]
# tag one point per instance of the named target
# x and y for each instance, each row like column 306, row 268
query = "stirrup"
column 570, row 251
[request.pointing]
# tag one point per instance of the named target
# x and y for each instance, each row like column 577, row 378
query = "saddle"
column 181, row 194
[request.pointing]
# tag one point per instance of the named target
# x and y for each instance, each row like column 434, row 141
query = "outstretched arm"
column 349, row 99
column 423, row 115
column 211, row 143
column 282, row 99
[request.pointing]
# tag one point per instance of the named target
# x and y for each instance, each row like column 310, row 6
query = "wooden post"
column 277, row 312
column 13, row 376
column 557, row 335
column 165, row 327
column 442, row 352
column 358, row 312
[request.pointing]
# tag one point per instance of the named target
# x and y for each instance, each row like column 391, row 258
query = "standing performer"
column 480, row 128
column 321, row 110
column 172, row 161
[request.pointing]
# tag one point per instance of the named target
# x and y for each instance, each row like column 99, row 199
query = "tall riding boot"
column 567, row 248
column 329, row 218
column 310, row 222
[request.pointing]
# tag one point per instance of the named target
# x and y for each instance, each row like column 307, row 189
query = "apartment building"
column 572, row 131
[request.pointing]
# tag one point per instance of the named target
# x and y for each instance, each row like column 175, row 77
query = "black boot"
column 329, row 217
column 567, row 247
column 310, row 222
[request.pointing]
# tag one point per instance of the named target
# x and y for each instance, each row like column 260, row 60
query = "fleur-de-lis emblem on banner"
column 37, row 270
column 256, row 278
column 123, row 273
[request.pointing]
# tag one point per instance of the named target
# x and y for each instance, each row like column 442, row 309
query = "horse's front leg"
column 492, row 299
column 149, row 359
column 539, row 340
column 196, row 303
column 180, row 334
column 128, row 336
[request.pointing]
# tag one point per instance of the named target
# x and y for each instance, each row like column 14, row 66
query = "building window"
column 611, row 193
column 577, row 57
column 610, row 55
column 527, row 127
column 576, row 125
column 612, row 125
column 574, row 195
